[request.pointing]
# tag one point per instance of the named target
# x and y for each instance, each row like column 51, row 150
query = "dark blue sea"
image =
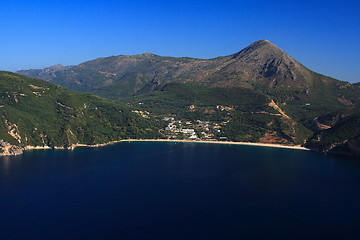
column 144, row 190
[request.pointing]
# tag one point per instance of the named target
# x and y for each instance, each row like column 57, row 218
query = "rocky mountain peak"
column 265, row 64
column 57, row 67
column 147, row 54
column 262, row 48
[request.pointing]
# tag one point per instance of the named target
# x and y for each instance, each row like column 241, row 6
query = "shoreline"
column 73, row 146
column 297, row 147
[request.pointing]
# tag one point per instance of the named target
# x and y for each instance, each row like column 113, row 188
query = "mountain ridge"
column 261, row 63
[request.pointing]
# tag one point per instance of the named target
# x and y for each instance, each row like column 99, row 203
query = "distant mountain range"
column 273, row 97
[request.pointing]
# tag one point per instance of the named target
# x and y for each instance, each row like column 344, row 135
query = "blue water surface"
column 144, row 190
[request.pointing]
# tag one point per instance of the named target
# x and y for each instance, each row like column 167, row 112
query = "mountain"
column 45, row 74
column 260, row 94
column 262, row 65
column 37, row 113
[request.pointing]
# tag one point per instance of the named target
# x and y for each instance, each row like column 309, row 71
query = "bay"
column 143, row 190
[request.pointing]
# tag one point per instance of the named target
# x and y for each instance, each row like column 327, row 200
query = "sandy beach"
column 72, row 147
column 213, row 142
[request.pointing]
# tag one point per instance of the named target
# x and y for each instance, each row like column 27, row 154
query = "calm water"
column 179, row 191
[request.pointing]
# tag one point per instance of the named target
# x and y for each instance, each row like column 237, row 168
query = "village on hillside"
column 190, row 130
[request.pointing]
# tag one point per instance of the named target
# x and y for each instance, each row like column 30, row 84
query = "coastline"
column 297, row 147
column 20, row 150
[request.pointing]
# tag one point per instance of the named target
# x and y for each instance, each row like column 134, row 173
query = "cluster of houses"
column 144, row 114
column 197, row 130
column 192, row 130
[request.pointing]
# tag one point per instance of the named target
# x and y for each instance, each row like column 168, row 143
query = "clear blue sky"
column 323, row 35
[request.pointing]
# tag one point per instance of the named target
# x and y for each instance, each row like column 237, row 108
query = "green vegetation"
column 243, row 114
column 34, row 112
column 345, row 126
column 223, row 98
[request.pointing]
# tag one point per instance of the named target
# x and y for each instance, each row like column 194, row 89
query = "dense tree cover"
column 39, row 113
column 247, row 115
column 345, row 125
